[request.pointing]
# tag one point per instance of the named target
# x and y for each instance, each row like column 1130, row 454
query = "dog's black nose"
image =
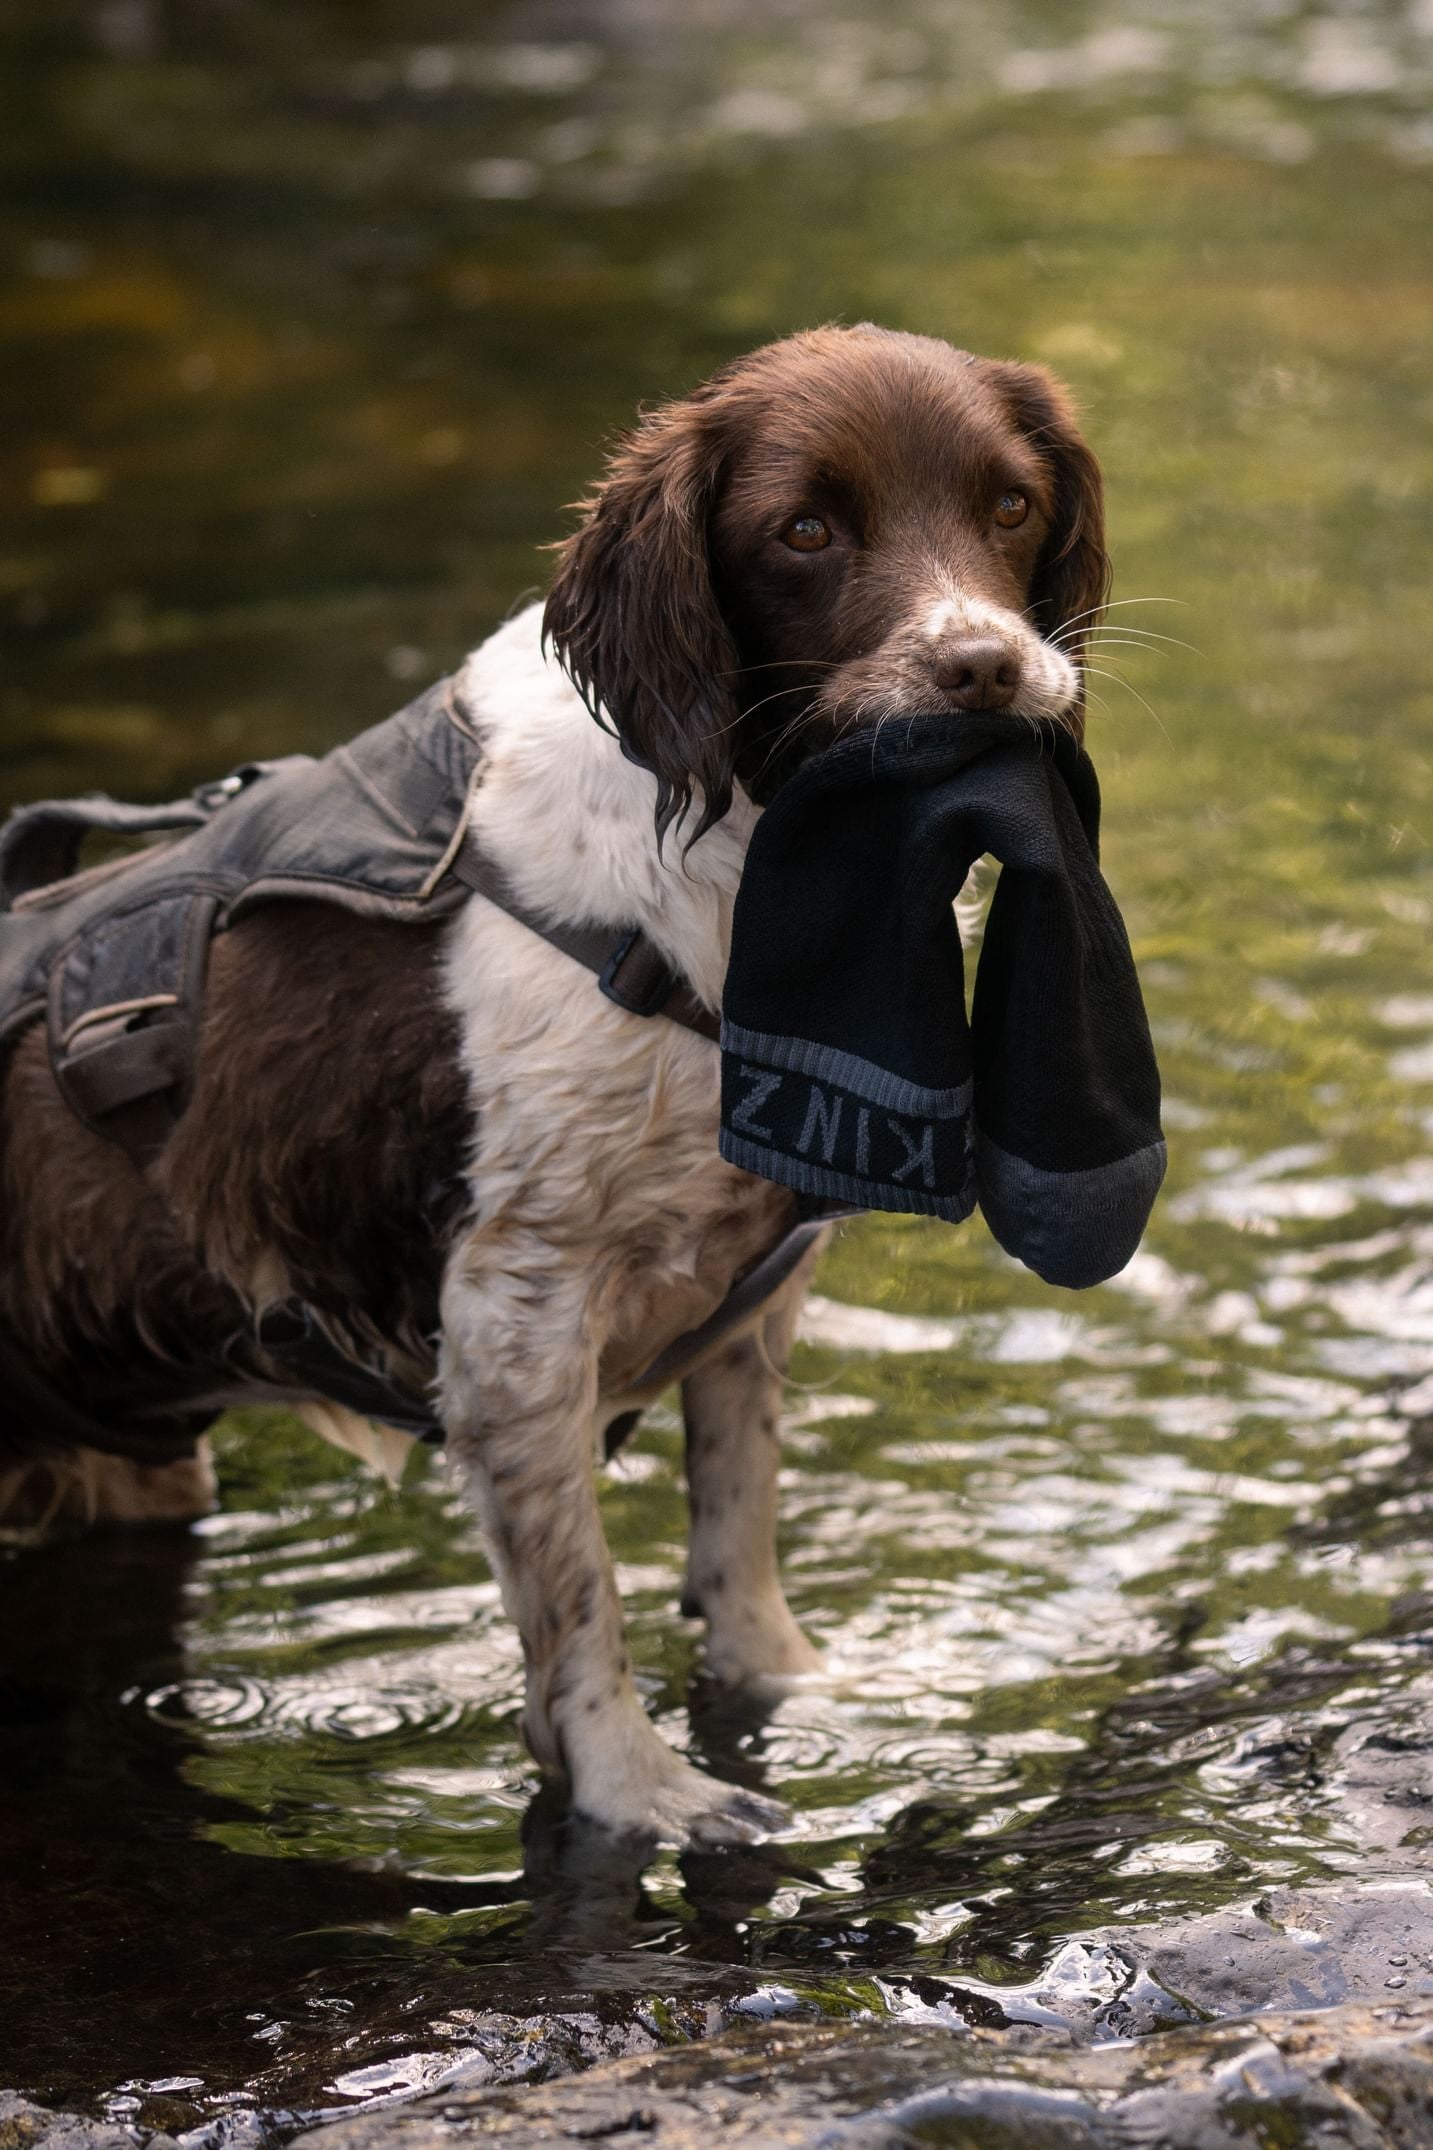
column 977, row 671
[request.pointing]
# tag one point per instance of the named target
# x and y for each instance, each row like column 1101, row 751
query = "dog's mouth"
column 787, row 729
column 774, row 757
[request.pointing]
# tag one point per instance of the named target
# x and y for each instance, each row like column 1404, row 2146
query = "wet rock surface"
column 1322, row 2032
column 24, row 2126
column 1355, row 2076
column 1302, row 2017
column 1292, row 1948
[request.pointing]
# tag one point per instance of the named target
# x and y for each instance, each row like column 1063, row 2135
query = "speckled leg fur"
column 731, row 1407
column 522, row 1437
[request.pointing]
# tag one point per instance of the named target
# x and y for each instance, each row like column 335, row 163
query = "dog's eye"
column 807, row 534
column 1011, row 510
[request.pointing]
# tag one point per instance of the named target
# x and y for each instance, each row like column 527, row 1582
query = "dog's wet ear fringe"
column 1072, row 579
column 633, row 619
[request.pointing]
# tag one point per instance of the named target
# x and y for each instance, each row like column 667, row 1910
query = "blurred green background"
column 313, row 317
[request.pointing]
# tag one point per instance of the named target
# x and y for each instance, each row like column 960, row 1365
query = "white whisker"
column 1116, row 605
column 1121, row 682
column 809, row 687
column 1121, row 627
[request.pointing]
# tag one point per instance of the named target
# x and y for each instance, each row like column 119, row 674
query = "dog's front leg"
column 519, row 1398
column 730, row 1405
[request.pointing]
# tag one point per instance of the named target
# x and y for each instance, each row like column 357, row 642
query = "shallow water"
column 313, row 319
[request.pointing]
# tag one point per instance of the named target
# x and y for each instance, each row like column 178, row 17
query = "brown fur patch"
column 328, row 1127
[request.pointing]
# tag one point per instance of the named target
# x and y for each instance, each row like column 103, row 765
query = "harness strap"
column 40, row 844
column 631, row 971
column 749, row 1292
column 296, row 1343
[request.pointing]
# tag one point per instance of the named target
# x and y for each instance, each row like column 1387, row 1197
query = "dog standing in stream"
column 839, row 528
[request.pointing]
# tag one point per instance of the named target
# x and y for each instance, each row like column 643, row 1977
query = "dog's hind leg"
column 730, row 1405
column 519, row 1399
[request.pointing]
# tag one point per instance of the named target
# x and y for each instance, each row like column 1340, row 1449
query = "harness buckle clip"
column 218, row 793
column 652, row 980
column 221, row 789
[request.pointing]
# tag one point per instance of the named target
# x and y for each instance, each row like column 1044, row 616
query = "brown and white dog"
column 845, row 525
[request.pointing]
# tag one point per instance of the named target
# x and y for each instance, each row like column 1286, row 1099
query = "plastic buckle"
column 608, row 978
column 224, row 788
column 218, row 793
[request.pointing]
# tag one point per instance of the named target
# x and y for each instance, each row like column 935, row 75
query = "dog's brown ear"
column 1072, row 578
column 634, row 620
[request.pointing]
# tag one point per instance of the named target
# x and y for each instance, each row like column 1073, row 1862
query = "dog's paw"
column 739, row 1817
column 640, row 1788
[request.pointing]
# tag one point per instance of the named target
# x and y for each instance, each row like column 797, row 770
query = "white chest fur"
column 596, row 1177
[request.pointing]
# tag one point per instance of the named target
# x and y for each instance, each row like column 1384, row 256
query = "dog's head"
column 846, row 525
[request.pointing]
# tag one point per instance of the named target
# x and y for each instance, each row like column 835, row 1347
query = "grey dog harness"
column 113, row 960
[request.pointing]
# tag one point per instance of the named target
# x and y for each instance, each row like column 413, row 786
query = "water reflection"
column 138, row 1946
column 329, row 1820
